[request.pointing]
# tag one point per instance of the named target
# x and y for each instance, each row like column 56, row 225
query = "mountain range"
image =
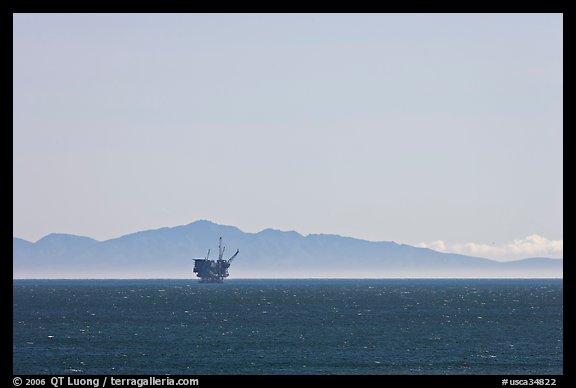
column 168, row 253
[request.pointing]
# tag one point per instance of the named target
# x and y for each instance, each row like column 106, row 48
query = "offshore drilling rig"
column 213, row 271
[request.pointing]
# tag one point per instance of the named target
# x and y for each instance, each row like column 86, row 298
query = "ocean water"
column 288, row 327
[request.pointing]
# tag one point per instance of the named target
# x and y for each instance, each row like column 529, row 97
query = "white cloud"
column 530, row 246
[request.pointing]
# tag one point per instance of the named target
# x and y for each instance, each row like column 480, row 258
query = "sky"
column 436, row 130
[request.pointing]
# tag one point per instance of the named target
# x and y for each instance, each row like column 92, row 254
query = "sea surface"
column 288, row 327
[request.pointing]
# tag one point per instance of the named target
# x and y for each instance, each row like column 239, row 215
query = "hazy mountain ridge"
column 168, row 253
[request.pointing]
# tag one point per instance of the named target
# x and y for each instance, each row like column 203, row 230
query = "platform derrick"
column 213, row 271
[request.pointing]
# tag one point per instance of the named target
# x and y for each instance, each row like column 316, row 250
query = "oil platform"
column 213, row 271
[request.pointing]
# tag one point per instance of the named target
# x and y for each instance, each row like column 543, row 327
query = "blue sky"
column 433, row 130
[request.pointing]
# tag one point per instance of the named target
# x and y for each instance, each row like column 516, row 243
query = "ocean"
column 271, row 327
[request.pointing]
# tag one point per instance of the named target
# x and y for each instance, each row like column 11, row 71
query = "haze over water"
column 440, row 131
